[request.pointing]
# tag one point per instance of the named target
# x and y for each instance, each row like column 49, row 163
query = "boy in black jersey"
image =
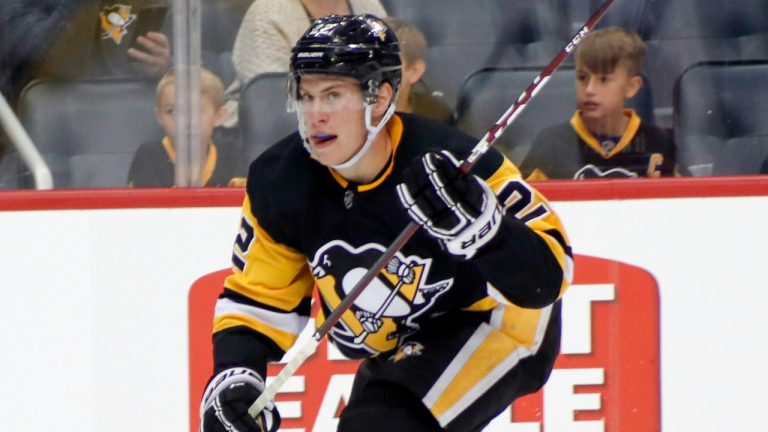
column 154, row 163
column 462, row 321
column 603, row 138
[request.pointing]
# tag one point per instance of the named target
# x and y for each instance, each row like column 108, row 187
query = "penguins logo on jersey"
column 115, row 21
column 385, row 311
column 409, row 349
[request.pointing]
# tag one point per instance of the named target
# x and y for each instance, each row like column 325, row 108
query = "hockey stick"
column 485, row 143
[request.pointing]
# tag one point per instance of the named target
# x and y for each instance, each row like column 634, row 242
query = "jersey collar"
column 592, row 142
column 395, row 131
column 210, row 161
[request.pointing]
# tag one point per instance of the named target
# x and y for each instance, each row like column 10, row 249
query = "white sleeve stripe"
column 288, row 322
column 568, row 271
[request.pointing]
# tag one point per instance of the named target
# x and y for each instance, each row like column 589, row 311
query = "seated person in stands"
column 269, row 30
column 603, row 138
column 415, row 96
column 154, row 163
column 65, row 39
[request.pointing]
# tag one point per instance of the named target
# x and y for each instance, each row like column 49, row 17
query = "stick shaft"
column 480, row 148
column 290, row 368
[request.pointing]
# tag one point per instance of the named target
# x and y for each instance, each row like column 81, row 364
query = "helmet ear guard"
column 370, row 94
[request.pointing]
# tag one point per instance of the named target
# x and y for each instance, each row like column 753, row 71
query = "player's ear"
column 635, row 83
column 385, row 95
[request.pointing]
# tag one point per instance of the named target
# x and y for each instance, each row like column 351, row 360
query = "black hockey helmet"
column 363, row 47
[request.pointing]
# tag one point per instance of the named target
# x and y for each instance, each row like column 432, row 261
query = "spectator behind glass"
column 269, row 30
column 603, row 138
column 154, row 163
column 67, row 39
column 415, row 96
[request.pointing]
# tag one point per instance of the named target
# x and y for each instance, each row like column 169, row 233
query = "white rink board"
column 94, row 309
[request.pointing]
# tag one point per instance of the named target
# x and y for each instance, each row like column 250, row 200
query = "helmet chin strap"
column 372, row 132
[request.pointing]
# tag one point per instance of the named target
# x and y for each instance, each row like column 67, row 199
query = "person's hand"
column 226, row 400
column 154, row 57
column 460, row 211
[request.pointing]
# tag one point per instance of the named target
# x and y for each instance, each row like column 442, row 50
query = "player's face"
column 210, row 116
column 602, row 96
column 333, row 113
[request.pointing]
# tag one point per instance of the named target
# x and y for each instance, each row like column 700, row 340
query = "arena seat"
column 627, row 14
column 464, row 37
column 88, row 130
column 683, row 32
column 225, row 68
column 482, row 102
column 721, row 118
column 460, row 38
column 264, row 117
column 219, row 23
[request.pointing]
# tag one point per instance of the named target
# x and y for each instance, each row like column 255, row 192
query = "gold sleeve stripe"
column 490, row 353
column 285, row 322
column 546, row 222
column 507, row 171
column 283, row 339
column 274, row 274
column 537, row 175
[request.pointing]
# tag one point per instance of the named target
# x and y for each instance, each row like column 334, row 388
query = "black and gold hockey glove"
column 226, row 400
column 460, row 211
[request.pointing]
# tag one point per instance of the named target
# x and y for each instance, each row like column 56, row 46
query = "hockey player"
column 465, row 318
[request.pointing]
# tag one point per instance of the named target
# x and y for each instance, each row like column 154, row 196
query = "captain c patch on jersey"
column 386, row 310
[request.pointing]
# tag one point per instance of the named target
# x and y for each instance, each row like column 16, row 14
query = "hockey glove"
column 460, row 211
column 226, row 400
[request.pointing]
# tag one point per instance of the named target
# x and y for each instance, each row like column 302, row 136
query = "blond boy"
column 154, row 162
column 603, row 138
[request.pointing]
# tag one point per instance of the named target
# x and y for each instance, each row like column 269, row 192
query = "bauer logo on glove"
column 460, row 211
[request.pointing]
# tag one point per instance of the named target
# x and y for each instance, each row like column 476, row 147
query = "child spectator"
column 603, row 138
column 415, row 96
column 153, row 164
column 269, row 30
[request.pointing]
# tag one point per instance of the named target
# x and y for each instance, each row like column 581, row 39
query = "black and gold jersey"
column 304, row 226
column 154, row 165
column 571, row 151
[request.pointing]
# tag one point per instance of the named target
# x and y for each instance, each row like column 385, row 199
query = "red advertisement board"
column 606, row 378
